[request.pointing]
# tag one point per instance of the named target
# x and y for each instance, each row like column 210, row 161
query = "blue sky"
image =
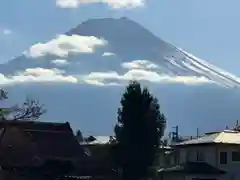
column 207, row 29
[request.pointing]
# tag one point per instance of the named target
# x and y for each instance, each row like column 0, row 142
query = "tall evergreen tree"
column 139, row 129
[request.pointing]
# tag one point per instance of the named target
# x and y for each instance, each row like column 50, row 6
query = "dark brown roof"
column 38, row 125
column 56, row 144
column 48, row 141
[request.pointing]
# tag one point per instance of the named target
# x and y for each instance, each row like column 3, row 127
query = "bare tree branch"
column 30, row 110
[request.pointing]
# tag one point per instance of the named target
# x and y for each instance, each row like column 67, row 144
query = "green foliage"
column 139, row 129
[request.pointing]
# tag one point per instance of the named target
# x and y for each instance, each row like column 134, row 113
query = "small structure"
column 100, row 148
column 32, row 149
column 215, row 156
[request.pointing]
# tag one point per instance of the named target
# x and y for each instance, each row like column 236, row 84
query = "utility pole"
column 175, row 134
column 237, row 128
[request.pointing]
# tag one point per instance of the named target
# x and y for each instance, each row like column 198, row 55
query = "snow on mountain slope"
column 207, row 70
column 111, row 52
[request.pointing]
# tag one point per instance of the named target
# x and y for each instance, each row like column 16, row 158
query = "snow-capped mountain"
column 106, row 51
column 110, row 52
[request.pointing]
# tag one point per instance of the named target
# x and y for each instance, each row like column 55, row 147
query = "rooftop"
column 42, row 140
column 224, row 137
column 97, row 140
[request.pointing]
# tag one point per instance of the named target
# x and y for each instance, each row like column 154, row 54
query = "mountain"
column 80, row 76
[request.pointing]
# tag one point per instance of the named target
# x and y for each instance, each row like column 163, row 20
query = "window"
column 223, row 157
column 200, row 156
column 235, row 156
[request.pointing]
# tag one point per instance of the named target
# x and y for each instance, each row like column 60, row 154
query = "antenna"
column 237, row 128
column 197, row 133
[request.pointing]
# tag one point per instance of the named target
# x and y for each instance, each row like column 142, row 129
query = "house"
column 41, row 149
column 215, row 156
column 97, row 140
column 99, row 148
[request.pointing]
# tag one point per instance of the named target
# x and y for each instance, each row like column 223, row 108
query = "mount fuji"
column 80, row 76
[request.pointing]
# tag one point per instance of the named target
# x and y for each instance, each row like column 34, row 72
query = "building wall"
column 175, row 176
column 172, row 176
column 212, row 156
column 161, row 159
column 201, row 176
column 190, row 154
column 232, row 167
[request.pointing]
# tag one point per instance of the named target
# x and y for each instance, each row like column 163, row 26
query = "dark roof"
column 38, row 125
column 48, row 141
column 192, row 168
column 56, row 144
column 229, row 137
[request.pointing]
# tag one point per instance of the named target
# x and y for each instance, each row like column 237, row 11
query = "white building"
column 215, row 156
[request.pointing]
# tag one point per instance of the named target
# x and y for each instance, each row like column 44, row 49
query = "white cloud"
column 108, row 54
column 116, row 4
column 100, row 83
column 62, row 45
column 60, row 62
column 111, row 78
column 37, row 75
column 6, row 31
column 139, row 64
column 140, row 74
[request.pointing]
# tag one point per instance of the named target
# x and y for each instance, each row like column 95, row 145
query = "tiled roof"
column 106, row 140
column 224, row 137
